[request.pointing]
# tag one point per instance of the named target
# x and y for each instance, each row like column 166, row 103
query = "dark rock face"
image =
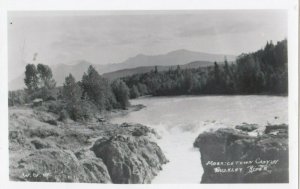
column 247, row 127
column 130, row 157
column 232, row 156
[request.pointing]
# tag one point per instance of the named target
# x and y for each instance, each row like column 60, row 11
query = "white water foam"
column 179, row 120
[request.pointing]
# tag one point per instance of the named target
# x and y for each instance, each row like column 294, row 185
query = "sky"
column 104, row 37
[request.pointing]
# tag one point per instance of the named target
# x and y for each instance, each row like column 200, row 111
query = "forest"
column 78, row 100
column 261, row 72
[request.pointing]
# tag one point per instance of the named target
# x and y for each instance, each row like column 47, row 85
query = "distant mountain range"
column 138, row 64
column 145, row 69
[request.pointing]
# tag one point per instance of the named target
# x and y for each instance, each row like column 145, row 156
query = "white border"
column 290, row 5
column 145, row 4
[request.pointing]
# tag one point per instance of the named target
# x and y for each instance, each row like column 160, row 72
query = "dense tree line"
column 261, row 72
column 78, row 100
column 93, row 94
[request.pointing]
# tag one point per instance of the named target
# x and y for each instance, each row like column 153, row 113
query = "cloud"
column 216, row 29
column 102, row 38
column 77, row 39
column 103, row 31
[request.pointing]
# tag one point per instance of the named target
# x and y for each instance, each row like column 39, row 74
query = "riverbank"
column 41, row 148
column 120, row 112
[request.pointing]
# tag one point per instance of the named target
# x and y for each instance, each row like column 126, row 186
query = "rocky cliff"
column 80, row 152
column 245, row 155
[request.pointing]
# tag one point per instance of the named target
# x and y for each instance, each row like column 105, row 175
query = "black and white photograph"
column 149, row 96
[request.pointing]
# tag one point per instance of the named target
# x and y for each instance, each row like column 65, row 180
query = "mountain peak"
column 140, row 55
column 181, row 51
column 177, row 57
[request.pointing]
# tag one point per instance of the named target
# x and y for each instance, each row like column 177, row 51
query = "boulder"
column 130, row 156
column 233, row 156
column 38, row 144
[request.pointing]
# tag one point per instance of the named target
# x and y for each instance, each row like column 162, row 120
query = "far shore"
column 210, row 95
column 117, row 113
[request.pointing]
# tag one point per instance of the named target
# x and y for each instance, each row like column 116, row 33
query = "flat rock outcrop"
column 234, row 156
column 247, row 127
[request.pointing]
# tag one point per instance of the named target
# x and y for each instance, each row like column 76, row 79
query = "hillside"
column 178, row 57
column 261, row 72
column 145, row 69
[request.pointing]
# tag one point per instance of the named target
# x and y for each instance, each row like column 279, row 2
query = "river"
column 179, row 120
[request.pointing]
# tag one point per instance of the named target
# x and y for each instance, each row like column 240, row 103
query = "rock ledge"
column 234, row 156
